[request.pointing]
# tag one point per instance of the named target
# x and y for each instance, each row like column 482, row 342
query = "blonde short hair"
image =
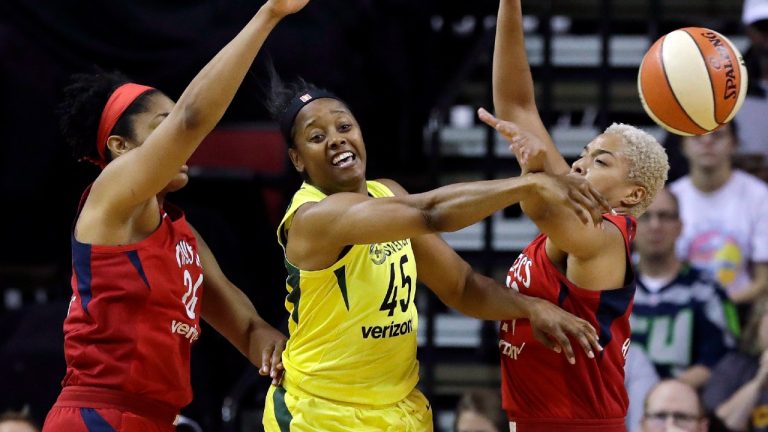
column 648, row 162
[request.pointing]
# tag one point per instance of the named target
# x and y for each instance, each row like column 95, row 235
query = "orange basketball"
column 692, row 81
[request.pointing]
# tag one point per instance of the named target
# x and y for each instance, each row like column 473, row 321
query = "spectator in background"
column 12, row 421
column 674, row 406
column 682, row 318
column 737, row 392
column 639, row 378
column 725, row 216
column 751, row 117
column 480, row 411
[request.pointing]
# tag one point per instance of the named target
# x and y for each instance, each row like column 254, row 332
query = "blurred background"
column 413, row 72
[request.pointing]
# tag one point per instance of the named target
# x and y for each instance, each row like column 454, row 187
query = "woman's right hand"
column 283, row 8
column 574, row 192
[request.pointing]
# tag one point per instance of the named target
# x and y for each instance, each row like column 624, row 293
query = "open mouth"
column 343, row 159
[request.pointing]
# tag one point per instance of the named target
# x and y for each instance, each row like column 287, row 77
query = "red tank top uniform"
column 541, row 391
column 134, row 314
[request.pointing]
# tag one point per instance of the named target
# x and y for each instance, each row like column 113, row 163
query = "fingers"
column 277, row 371
column 565, row 344
column 557, row 342
column 271, row 361
column 600, row 200
column 544, row 339
column 507, row 129
column 585, row 203
column 582, row 206
column 266, row 360
column 487, row 118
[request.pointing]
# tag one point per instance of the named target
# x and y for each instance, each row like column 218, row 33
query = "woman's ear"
column 296, row 160
column 118, row 145
column 635, row 196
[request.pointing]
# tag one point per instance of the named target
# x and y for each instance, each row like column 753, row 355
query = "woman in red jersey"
column 583, row 268
column 139, row 269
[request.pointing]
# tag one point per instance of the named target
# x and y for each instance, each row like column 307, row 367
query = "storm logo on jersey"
column 380, row 251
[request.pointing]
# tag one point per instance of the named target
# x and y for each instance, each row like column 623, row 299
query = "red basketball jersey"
column 135, row 312
column 540, row 389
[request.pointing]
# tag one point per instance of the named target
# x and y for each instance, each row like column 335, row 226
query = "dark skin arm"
column 457, row 285
column 228, row 310
column 319, row 231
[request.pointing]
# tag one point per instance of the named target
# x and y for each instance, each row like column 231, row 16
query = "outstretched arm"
column 153, row 164
column 513, row 91
column 232, row 314
column 352, row 218
column 457, row 285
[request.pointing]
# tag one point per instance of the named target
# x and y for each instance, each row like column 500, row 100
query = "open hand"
column 553, row 326
column 522, row 144
column 268, row 345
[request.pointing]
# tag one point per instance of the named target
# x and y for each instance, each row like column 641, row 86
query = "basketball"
column 692, row 80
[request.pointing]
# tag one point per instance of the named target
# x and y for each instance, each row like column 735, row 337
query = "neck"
column 361, row 188
column 710, row 179
column 659, row 266
column 161, row 198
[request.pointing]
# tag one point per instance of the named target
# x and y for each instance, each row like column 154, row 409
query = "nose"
column 336, row 141
column 578, row 167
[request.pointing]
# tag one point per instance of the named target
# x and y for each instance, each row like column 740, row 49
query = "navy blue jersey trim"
column 613, row 304
column 81, row 264
column 94, row 421
column 133, row 256
column 563, row 294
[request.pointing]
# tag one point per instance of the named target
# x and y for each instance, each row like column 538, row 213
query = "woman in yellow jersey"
column 354, row 250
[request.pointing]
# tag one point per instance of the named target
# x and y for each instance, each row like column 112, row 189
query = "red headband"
column 118, row 102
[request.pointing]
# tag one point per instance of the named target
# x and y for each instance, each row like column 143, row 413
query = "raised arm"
column 154, row 163
column 513, row 90
column 228, row 310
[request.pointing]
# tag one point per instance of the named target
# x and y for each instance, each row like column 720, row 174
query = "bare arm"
column 352, row 218
column 757, row 287
column 232, row 314
column 568, row 233
column 513, row 91
column 696, row 376
column 460, row 287
column 737, row 410
column 153, row 164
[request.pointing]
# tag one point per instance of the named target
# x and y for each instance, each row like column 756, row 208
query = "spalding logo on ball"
column 692, row 81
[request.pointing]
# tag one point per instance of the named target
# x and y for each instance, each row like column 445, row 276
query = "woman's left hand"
column 522, row 144
column 269, row 345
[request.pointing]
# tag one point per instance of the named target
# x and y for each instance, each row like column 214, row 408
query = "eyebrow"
column 309, row 122
column 597, row 152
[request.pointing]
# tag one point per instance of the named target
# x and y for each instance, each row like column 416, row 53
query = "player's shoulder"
column 393, row 186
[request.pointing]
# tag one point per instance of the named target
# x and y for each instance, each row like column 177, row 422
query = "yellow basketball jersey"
column 352, row 325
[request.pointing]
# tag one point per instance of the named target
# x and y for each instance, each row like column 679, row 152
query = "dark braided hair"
column 80, row 111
